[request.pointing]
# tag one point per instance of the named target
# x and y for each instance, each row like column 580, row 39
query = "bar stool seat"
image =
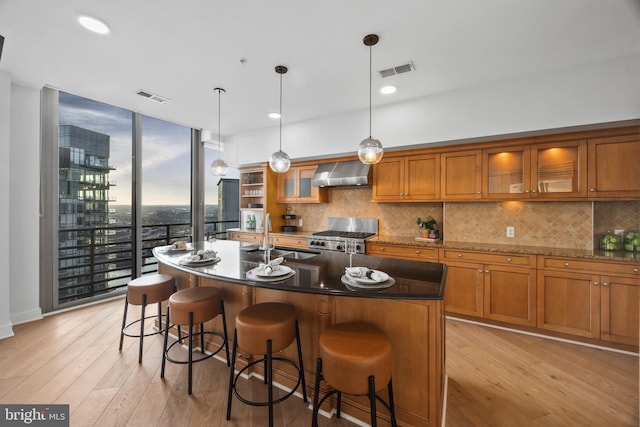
column 265, row 329
column 144, row 290
column 354, row 357
column 190, row 307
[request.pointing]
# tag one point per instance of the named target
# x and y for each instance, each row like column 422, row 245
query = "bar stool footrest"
column 148, row 334
column 263, row 360
column 204, row 356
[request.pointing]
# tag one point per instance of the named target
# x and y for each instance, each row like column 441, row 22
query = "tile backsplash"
column 575, row 225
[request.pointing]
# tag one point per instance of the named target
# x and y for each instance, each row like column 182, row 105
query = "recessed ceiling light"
column 387, row 90
column 94, row 24
column 274, row 115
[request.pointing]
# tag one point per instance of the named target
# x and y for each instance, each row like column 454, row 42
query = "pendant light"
column 279, row 161
column 219, row 167
column 370, row 150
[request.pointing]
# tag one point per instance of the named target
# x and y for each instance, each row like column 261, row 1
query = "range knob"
column 322, row 243
column 339, row 247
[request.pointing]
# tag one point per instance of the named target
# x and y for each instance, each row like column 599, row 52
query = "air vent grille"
column 152, row 96
column 398, row 69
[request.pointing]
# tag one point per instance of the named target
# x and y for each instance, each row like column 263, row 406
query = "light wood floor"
column 496, row 378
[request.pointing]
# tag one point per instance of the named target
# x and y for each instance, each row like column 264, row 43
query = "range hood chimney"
column 342, row 174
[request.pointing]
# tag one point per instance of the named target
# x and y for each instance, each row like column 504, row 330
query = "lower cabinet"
column 492, row 286
column 416, row 253
column 288, row 241
column 245, row 236
column 591, row 299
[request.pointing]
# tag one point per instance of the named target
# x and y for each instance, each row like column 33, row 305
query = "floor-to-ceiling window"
column 221, row 196
column 124, row 184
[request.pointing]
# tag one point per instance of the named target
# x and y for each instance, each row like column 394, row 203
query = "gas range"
column 342, row 229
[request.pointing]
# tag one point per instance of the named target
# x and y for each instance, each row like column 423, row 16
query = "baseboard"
column 6, row 331
column 26, row 316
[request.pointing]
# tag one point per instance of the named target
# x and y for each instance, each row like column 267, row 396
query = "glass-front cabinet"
column 552, row 170
column 294, row 186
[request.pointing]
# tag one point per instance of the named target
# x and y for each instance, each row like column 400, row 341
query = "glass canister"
column 610, row 241
column 631, row 241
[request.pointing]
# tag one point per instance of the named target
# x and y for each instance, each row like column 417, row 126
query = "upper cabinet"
column 461, row 175
column 294, row 186
column 407, row 178
column 539, row 171
column 613, row 167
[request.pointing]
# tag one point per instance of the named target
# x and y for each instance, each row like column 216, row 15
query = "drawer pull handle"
column 418, row 252
column 486, row 271
column 508, row 259
column 605, row 284
column 566, row 264
column 480, row 271
column 592, row 190
column 635, row 270
column 459, row 255
column 596, row 283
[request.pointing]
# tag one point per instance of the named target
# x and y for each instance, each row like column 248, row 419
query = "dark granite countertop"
column 595, row 254
column 319, row 274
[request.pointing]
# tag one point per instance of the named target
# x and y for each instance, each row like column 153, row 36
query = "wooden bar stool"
column 149, row 289
column 354, row 357
column 265, row 329
column 189, row 307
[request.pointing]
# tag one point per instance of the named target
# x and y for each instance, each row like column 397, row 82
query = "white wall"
column 597, row 93
column 5, row 132
column 24, row 205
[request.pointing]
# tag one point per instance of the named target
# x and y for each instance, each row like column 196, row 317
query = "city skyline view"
column 166, row 153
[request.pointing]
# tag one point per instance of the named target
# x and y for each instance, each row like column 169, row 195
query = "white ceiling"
column 183, row 49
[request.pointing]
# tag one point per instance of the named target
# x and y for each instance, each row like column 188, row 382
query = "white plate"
column 279, row 270
column 252, row 276
column 350, row 283
column 377, row 276
column 199, row 261
column 171, row 249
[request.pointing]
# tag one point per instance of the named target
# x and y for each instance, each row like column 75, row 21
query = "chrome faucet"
column 266, row 245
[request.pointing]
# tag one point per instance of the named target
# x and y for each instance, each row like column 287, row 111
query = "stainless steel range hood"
column 342, row 174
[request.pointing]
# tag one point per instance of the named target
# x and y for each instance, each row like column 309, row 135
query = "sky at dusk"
column 166, row 152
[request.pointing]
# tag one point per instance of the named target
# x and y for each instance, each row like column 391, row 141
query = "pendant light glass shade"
column 370, row 150
column 279, row 161
column 219, row 167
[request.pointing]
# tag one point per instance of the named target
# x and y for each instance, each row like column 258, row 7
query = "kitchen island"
column 410, row 312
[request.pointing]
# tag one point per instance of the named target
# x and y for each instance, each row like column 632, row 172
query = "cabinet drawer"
column 572, row 264
column 488, row 257
column 290, row 241
column 244, row 236
column 419, row 253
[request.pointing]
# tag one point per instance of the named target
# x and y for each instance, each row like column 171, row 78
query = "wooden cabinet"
column 244, row 236
column 590, row 299
column 494, row 286
column 554, row 170
column 461, row 175
column 288, row 241
column 258, row 196
column 613, row 167
column 294, row 186
column 418, row 253
column 407, row 178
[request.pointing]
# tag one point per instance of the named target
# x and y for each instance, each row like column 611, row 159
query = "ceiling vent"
column 398, row 69
column 152, row 97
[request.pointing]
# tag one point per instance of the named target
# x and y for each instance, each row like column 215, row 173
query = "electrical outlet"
column 300, row 222
column 511, row 231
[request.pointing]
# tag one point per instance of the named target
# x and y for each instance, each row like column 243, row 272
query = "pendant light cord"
column 370, row 65
column 219, row 96
column 280, row 112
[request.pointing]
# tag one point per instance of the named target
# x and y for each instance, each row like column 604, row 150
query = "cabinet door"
column 287, row 186
column 569, row 303
column 506, row 173
column 307, row 193
column 510, row 295
column 559, row 170
column 619, row 309
column 613, row 166
column 461, row 175
column 463, row 293
column 388, row 179
column 422, row 177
